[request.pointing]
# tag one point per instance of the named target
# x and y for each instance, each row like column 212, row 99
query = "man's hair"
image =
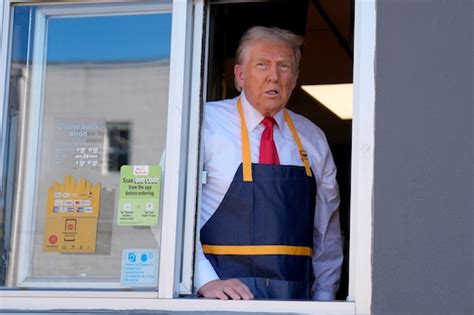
column 262, row 33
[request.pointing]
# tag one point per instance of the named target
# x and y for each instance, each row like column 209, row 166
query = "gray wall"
column 423, row 242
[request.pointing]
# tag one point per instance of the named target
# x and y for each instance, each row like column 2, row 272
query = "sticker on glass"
column 139, row 197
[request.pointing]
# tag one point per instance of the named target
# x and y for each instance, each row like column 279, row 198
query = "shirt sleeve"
column 204, row 270
column 327, row 256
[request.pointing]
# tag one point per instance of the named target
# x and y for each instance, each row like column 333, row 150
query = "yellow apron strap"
column 303, row 154
column 246, row 159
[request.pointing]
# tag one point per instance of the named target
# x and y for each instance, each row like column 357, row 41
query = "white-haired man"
column 269, row 213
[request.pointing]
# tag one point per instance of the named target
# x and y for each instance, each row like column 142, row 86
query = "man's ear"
column 239, row 75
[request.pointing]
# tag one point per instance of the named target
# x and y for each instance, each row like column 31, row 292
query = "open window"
column 324, row 87
column 335, row 90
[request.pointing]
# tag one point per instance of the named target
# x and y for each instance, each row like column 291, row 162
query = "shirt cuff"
column 205, row 273
column 323, row 296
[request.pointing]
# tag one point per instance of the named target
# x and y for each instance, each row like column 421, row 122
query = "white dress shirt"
column 223, row 155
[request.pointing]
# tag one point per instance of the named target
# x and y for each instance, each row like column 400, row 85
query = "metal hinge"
column 204, row 177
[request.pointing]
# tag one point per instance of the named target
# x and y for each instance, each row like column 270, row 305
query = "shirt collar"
column 253, row 117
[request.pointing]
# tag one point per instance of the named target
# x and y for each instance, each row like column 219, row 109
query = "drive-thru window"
column 100, row 137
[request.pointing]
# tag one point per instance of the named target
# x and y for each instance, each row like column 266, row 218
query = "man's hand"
column 233, row 289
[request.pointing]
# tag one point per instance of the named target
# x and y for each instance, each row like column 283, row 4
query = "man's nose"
column 273, row 73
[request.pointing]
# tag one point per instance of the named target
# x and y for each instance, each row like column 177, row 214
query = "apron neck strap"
column 246, row 159
column 302, row 152
column 246, row 156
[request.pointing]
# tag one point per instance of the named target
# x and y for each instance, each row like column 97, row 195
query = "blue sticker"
column 139, row 268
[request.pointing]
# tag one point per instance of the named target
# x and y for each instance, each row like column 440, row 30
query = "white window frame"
column 21, row 248
column 361, row 245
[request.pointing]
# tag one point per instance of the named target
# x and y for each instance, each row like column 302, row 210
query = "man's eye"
column 285, row 66
column 260, row 65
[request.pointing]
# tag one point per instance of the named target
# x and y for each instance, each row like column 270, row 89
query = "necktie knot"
column 268, row 122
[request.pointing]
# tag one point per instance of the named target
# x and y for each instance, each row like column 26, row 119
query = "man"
column 269, row 217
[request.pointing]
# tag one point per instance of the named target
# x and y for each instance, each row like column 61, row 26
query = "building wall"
column 423, row 250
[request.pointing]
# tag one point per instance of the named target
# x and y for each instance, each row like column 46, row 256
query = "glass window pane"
column 93, row 91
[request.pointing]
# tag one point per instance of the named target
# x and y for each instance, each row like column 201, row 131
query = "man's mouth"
column 272, row 92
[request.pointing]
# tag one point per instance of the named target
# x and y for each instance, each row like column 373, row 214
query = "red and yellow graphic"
column 72, row 213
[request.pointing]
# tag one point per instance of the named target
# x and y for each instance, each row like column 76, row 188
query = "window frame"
column 21, row 248
column 178, row 276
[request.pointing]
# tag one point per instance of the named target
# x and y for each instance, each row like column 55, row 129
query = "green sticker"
column 139, row 197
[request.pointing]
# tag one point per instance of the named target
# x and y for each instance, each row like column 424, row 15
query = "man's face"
column 267, row 75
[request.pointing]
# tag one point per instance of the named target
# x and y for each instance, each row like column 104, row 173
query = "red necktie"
column 268, row 151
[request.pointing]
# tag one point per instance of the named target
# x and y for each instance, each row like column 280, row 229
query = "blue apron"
column 262, row 232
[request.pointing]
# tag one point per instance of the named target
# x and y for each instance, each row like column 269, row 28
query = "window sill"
column 62, row 300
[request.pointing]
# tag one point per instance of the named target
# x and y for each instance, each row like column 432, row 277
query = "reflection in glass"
column 118, row 139
column 100, row 84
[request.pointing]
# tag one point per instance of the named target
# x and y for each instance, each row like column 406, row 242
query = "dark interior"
column 327, row 27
